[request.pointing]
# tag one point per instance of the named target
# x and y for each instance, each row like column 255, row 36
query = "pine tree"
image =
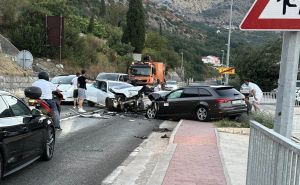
column 134, row 32
column 91, row 24
column 160, row 29
column 103, row 9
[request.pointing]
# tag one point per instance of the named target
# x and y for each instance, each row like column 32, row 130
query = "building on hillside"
column 215, row 61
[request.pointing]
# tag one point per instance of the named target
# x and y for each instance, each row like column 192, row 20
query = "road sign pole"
column 287, row 83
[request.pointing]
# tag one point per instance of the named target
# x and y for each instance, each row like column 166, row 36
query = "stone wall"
column 15, row 84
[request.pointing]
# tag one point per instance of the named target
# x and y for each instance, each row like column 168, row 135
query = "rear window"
column 63, row 79
column 227, row 92
column 105, row 76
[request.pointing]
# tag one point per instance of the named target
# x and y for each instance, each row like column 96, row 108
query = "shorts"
column 81, row 93
column 75, row 93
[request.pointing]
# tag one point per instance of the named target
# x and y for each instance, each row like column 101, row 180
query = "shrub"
column 243, row 121
column 264, row 118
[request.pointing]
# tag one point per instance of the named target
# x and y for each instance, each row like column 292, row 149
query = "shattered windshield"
column 144, row 71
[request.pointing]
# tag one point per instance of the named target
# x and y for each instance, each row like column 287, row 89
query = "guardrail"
column 270, row 98
column 272, row 158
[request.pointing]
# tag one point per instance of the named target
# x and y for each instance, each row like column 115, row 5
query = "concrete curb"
column 160, row 170
column 227, row 177
column 135, row 159
column 175, row 131
column 231, row 130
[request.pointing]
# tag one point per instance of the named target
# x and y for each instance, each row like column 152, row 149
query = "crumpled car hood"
column 128, row 92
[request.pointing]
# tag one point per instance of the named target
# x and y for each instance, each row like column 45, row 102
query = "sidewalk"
column 195, row 154
column 196, row 160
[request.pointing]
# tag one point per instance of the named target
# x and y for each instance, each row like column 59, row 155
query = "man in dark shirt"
column 82, row 80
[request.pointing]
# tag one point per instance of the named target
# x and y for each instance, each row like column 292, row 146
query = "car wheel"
column 202, row 114
column 108, row 104
column 151, row 112
column 49, row 147
column 91, row 104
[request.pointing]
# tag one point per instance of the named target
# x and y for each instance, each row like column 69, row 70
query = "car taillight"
column 222, row 100
column 45, row 108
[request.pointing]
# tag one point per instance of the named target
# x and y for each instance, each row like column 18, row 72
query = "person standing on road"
column 82, row 80
column 158, row 86
column 256, row 92
column 75, row 89
column 47, row 89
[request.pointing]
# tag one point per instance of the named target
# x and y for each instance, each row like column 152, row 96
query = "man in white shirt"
column 256, row 92
column 158, row 86
column 47, row 88
column 75, row 89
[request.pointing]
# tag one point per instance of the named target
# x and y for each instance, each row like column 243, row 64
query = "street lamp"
column 222, row 57
column 228, row 44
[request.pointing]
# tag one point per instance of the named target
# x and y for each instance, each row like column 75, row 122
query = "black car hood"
column 158, row 96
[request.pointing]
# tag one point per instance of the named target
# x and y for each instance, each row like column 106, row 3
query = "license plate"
column 234, row 102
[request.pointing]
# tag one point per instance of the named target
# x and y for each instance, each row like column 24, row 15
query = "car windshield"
column 171, row 82
column 119, row 85
column 62, row 79
column 227, row 92
column 106, row 76
column 141, row 70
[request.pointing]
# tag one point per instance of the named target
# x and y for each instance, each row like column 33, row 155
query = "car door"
column 32, row 130
column 171, row 105
column 189, row 100
column 91, row 92
column 102, row 93
column 12, row 137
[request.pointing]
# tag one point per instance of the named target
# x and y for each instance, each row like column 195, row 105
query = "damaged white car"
column 115, row 95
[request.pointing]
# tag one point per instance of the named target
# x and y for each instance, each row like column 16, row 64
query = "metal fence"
column 272, row 158
column 270, row 98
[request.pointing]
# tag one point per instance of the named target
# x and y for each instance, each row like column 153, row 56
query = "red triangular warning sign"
column 276, row 20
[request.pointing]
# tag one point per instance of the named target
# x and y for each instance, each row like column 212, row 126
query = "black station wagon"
column 201, row 102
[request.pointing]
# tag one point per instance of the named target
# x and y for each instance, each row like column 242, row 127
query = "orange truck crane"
column 147, row 72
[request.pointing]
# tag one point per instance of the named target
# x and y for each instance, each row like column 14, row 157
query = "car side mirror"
column 35, row 113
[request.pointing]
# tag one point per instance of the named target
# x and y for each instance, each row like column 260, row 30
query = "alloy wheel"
column 202, row 114
column 151, row 113
column 50, row 143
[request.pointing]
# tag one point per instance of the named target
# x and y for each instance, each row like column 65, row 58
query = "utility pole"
column 228, row 44
column 222, row 57
column 181, row 67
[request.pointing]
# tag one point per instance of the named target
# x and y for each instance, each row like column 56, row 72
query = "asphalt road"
column 87, row 150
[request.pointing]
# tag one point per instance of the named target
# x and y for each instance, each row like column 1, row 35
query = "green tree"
column 91, row 26
column 156, row 41
column 134, row 32
column 116, row 14
column 102, row 12
column 260, row 64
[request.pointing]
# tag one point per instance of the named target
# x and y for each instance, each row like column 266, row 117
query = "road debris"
column 161, row 130
column 165, row 136
column 141, row 137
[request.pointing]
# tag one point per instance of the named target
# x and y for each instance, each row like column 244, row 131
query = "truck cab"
column 147, row 73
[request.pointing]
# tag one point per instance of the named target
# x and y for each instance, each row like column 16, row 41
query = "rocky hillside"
column 214, row 13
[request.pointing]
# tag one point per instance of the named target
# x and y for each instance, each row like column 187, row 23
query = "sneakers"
column 74, row 107
column 81, row 110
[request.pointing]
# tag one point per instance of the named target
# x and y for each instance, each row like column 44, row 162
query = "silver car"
column 171, row 85
column 113, row 77
column 113, row 94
